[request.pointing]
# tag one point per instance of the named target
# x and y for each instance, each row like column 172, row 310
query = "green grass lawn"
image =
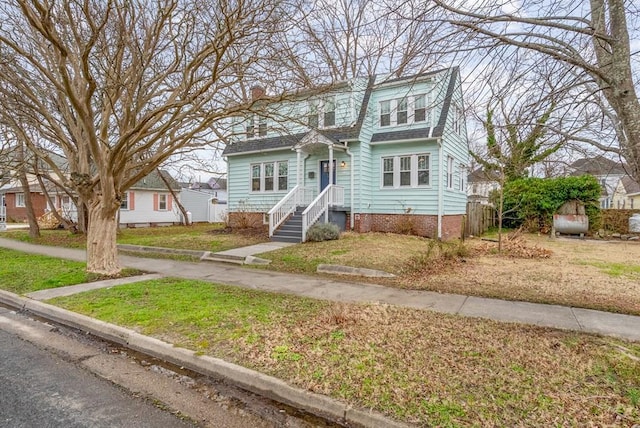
column 417, row 366
column 23, row 273
column 203, row 237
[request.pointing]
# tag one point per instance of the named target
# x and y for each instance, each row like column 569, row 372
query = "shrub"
column 323, row 232
column 533, row 201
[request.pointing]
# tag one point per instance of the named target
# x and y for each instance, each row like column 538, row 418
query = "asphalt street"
column 39, row 389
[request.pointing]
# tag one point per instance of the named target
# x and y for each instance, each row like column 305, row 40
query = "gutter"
column 352, row 222
column 440, row 189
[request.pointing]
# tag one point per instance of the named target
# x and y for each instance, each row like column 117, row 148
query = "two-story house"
column 385, row 153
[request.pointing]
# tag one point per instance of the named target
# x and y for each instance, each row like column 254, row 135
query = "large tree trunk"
column 102, row 253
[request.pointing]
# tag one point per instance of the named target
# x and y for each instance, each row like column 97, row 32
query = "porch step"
column 290, row 230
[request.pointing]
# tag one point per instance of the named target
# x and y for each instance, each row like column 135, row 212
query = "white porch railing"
column 331, row 195
column 298, row 196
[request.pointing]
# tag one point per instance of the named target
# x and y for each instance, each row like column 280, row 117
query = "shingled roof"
column 599, row 166
column 630, row 185
column 153, row 182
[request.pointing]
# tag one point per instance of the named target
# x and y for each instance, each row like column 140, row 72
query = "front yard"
column 602, row 275
column 417, row 366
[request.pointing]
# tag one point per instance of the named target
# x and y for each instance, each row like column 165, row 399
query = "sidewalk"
column 566, row 318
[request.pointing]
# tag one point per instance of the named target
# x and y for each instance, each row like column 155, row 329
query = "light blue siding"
column 369, row 195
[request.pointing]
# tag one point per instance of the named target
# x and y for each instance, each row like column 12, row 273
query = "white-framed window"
column 283, row 175
column 457, row 119
column 463, row 178
column 403, row 111
column 262, row 126
column 250, row 126
column 312, row 114
column 162, row 202
column 124, row 201
column 420, row 108
column 405, row 171
column 255, row 126
column 329, row 110
column 20, row 200
column 449, row 172
column 385, row 113
column 264, row 178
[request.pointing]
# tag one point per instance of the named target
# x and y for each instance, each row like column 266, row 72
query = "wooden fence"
column 480, row 218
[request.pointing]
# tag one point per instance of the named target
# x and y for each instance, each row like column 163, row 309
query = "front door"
column 324, row 173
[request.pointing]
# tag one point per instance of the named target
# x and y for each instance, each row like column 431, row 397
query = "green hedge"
column 533, row 201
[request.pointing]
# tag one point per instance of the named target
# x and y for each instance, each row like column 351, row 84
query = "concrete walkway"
column 567, row 318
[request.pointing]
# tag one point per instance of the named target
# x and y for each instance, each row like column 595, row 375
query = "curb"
column 250, row 380
column 160, row 250
column 348, row 270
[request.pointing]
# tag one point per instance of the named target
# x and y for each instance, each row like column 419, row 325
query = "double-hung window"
column 264, row 178
column 396, row 112
column 385, row 113
column 463, row 179
column 312, row 116
column 20, row 200
column 419, row 108
column 401, row 114
column 329, row 109
column 268, row 176
column 449, row 172
column 405, row 171
column 162, row 202
column 250, row 126
column 262, row 126
column 124, row 201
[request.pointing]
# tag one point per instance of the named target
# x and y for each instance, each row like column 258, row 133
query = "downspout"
column 352, row 222
column 440, row 189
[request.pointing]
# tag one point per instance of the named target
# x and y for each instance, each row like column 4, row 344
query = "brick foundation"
column 421, row 225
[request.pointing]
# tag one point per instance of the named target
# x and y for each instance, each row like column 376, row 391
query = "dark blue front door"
column 324, row 174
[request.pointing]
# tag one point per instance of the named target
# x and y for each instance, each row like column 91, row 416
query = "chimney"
column 257, row 92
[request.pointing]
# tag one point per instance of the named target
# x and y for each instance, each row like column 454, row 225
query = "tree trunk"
column 34, row 228
column 63, row 221
column 175, row 198
column 102, row 253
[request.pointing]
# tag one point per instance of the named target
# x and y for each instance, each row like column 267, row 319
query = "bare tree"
column 590, row 37
column 118, row 86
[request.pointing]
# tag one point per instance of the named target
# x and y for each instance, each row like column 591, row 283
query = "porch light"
column 343, row 164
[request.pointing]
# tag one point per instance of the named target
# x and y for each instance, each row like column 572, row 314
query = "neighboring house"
column 12, row 193
column 607, row 172
column 150, row 203
column 480, row 184
column 16, row 210
column 207, row 202
column 378, row 154
column 626, row 194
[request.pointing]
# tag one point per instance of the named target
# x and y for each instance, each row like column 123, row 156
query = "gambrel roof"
column 350, row 133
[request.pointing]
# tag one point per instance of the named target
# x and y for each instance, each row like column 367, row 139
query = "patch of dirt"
column 256, row 232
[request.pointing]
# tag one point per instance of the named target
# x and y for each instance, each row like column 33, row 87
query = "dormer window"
column 312, row 116
column 419, row 109
column 329, row 112
column 262, row 126
column 250, row 128
column 385, row 113
column 402, row 111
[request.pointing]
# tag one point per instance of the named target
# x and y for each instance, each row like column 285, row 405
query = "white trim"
column 407, row 140
column 413, row 171
column 259, row 151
